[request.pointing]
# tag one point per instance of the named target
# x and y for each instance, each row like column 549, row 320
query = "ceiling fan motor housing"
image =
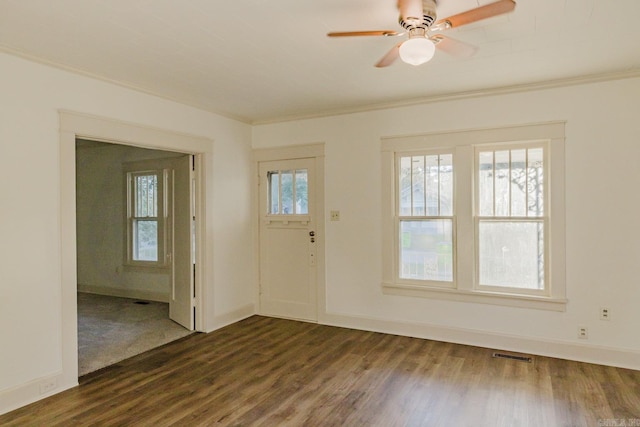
column 428, row 17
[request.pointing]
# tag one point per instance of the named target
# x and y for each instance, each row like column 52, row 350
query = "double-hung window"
column 146, row 217
column 510, row 218
column 425, row 217
column 476, row 216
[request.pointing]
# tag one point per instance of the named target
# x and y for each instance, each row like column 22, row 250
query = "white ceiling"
column 268, row 60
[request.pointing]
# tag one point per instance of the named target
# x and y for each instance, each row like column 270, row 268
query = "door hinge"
column 193, row 302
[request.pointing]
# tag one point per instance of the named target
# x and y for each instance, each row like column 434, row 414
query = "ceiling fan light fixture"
column 417, row 50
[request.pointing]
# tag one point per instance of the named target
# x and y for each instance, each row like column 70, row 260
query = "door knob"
column 312, row 233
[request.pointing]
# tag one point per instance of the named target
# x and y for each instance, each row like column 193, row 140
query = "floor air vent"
column 519, row 357
column 141, row 302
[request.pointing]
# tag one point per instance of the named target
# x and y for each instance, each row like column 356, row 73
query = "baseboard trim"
column 32, row 391
column 124, row 293
column 601, row 355
column 232, row 317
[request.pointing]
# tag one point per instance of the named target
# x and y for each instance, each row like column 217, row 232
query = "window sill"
column 482, row 297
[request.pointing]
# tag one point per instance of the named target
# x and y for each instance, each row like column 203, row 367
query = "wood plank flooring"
column 273, row 372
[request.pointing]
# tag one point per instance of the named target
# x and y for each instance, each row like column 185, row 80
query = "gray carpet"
column 111, row 329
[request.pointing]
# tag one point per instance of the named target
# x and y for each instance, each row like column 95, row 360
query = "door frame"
column 292, row 152
column 75, row 125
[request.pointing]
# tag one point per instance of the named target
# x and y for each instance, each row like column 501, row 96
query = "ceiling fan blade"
column 454, row 47
column 390, row 57
column 387, row 33
column 483, row 12
column 410, row 10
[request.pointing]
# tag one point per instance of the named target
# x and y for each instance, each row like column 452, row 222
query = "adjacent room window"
column 425, row 216
column 476, row 216
column 288, row 192
column 146, row 217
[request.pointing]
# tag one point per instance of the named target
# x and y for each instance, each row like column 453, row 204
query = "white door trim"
column 315, row 151
column 77, row 125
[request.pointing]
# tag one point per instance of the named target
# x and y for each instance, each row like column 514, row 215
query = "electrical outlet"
column 335, row 215
column 605, row 313
column 583, row 333
column 48, row 386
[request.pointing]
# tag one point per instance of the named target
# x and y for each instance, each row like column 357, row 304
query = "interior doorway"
column 135, row 250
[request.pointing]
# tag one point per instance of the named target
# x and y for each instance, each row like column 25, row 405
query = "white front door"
column 182, row 290
column 288, row 255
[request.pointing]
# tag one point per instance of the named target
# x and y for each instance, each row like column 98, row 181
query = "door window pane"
column 426, row 251
column 286, row 188
column 288, row 192
column 302, row 192
column 274, row 192
column 511, row 254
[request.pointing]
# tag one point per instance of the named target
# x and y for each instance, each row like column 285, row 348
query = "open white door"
column 181, row 307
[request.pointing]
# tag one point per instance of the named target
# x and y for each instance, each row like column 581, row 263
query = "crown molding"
column 454, row 96
column 127, row 85
column 501, row 90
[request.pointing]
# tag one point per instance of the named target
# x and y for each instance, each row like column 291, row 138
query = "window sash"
column 423, row 200
column 515, row 287
column 142, row 208
column 535, row 211
column 421, row 264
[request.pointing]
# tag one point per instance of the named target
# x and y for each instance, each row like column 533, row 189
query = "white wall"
column 30, row 277
column 602, row 204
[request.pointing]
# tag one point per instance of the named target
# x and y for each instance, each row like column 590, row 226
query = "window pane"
column 518, row 182
column 485, row 183
column 446, row 185
column 535, row 182
column 302, row 192
column 287, row 192
column 426, row 250
column 502, row 180
column 417, row 180
column 426, row 185
column 405, row 186
column 145, row 246
column 432, row 172
column 146, row 195
column 274, row 192
column 511, row 254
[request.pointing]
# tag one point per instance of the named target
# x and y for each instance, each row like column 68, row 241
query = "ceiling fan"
column 419, row 20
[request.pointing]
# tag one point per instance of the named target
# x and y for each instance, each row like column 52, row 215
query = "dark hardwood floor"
column 274, row 372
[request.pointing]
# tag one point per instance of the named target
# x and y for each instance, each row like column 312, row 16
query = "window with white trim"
column 425, row 217
column 510, row 217
column 476, row 216
column 146, row 217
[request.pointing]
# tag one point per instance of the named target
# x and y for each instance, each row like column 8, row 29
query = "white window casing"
column 465, row 147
